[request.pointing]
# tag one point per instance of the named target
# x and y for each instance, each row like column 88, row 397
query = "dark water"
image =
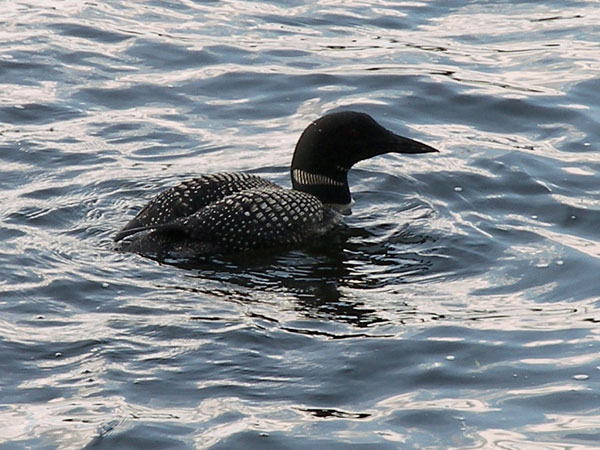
column 460, row 307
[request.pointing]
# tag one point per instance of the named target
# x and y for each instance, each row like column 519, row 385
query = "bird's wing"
column 190, row 196
column 255, row 218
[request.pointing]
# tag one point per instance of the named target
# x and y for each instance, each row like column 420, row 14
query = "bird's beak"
column 400, row 144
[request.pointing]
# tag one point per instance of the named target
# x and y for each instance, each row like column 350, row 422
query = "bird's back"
column 189, row 197
column 225, row 213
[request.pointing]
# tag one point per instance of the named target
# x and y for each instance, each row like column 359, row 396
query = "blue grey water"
column 460, row 308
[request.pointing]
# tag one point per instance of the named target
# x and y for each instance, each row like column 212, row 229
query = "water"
column 459, row 309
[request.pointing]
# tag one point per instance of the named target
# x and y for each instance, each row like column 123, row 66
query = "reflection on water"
column 456, row 308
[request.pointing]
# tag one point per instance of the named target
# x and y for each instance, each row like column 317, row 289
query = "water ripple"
column 457, row 307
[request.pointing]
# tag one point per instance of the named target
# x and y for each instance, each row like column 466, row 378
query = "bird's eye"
column 354, row 133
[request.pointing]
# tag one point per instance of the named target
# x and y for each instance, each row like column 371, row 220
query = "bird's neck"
column 329, row 186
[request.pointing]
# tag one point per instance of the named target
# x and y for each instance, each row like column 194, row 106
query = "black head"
column 331, row 145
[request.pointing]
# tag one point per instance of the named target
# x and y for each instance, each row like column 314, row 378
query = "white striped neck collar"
column 306, row 178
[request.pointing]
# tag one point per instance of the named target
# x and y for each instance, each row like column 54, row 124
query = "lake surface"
column 459, row 308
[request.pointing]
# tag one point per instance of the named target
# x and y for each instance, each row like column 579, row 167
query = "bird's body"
column 236, row 212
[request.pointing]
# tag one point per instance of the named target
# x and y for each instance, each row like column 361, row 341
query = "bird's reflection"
column 324, row 278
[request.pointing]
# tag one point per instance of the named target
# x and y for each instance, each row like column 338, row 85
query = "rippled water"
column 458, row 309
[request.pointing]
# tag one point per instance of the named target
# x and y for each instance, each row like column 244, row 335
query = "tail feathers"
column 166, row 227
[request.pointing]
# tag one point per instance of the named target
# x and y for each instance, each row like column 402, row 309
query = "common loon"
column 234, row 212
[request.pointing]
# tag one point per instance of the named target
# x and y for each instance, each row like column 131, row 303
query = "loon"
column 235, row 212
